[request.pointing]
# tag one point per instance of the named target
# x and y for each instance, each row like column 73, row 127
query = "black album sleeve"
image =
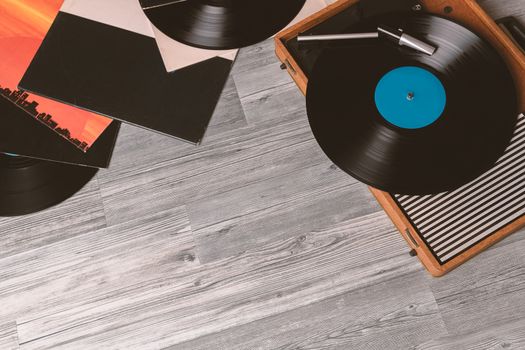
column 120, row 74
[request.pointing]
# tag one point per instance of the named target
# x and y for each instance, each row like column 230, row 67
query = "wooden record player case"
column 470, row 14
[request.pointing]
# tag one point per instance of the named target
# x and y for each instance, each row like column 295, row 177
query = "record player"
column 446, row 229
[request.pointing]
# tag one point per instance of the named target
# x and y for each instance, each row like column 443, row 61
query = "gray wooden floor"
column 253, row 240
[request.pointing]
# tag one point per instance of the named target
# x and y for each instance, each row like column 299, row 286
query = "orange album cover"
column 23, row 26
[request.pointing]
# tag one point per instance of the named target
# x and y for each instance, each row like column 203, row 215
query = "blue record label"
column 410, row 97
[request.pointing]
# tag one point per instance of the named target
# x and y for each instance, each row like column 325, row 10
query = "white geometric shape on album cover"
column 177, row 55
column 123, row 14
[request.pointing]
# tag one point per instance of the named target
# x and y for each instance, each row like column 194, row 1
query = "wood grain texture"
column 500, row 9
column 64, row 284
column 80, row 214
column 253, row 240
column 510, row 336
column 257, row 69
column 186, row 304
column 393, row 315
column 306, row 200
column 8, row 336
column 476, row 297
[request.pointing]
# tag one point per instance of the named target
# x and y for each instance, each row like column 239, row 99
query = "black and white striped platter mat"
column 453, row 222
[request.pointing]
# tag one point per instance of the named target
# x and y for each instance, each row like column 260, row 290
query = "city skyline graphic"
column 20, row 99
column 23, row 26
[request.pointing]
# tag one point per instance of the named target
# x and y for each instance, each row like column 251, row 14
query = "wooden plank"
column 76, row 216
column 257, row 69
column 507, row 336
column 95, row 269
column 8, row 336
column 275, row 104
column 263, row 282
column 278, row 208
column 474, row 298
column 398, row 314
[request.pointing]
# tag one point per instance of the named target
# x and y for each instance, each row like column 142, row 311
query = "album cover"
column 23, row 25
column 177, row 55
column 22, row 136
column 110, row 63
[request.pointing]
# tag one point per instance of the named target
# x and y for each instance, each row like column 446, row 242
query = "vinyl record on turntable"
column 30, row 185
column 409, row 123
column 221, row 24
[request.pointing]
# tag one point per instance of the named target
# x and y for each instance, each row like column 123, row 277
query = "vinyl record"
column 30, row 185
column 408, row 123
column 221, row 24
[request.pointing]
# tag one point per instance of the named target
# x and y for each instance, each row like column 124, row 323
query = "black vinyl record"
column 30, row 185
column 221, row 24
column 453, row 131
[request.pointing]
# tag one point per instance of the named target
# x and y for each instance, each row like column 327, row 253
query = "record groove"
column 30, row 185
column 463, row 142
column 221, row 24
